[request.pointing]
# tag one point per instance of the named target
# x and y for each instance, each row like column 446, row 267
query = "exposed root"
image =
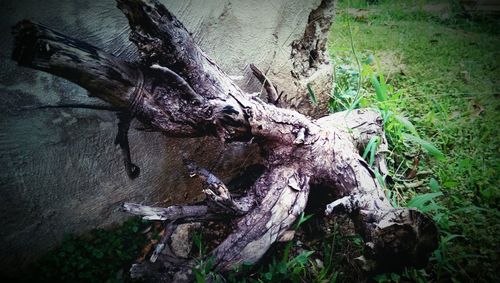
column 272, row 90
column 188, row 95
column 218, row 195
column 170, row 213
column 124, row 120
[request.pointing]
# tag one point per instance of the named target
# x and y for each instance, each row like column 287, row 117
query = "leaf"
column 449, row 237
column 421, row 201
column 386, row 114
column 450, row 184
column 300, row 260
column 303, row 218
column 369, row 59
column 406, row 123
column 434, row 185
column 98, row 254
column 380, row 179
column 379, row 90
column 369, row 146
column 429, row 147
column 373, row 151
column 281, row 267
column 268, row 276
column 395, row 277
column 314, row 101
column 135, row 228
column 354, row 104
column 381, row 278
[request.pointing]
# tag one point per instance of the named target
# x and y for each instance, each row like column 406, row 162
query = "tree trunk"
column 176, row 89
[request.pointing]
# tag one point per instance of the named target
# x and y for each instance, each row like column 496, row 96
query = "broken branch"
column 272, row 91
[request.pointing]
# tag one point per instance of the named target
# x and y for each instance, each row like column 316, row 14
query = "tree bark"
column 178, row 90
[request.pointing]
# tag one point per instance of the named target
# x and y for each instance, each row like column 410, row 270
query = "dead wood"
column 178, row 90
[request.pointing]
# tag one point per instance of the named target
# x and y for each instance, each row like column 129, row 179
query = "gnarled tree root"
column 177, row 90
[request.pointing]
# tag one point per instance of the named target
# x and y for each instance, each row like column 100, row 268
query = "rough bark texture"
column 176, row 89
column 61, row 164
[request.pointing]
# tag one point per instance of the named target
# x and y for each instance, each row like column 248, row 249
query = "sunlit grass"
column 446, row 75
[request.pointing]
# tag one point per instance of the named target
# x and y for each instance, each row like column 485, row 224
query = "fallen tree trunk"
column 177, row 90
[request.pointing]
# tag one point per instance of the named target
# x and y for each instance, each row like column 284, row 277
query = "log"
column 178, row 90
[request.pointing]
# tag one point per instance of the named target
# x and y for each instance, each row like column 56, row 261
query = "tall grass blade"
column 406, row 123
column 424, row 202
column 429, row 147
column 369, row 146
column 312, row 96
column 379, row 90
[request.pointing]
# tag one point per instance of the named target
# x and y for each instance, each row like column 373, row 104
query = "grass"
column 444, row 75
column 99, row 256
column 435, row 81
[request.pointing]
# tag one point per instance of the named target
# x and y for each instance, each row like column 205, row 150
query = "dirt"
column 391, row 63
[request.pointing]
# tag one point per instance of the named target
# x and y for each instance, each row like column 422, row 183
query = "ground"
column 445, row 72
column 441, row 75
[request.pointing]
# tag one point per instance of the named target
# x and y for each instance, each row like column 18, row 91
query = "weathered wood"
column 124, row 119
column 310, row 51
column 272, row 91
column 361, row 125
column 218, row 196
column 103, row 75
column 178, row 90
column 171, row 213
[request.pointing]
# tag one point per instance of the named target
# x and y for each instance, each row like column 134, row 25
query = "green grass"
column 99, row 256
column 447, row 86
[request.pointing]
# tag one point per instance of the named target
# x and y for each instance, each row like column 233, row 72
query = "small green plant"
column 345, row 88
column 395, row 124
column 96, row 257
column 338, row 255
column 290, row 270
column 349, row 93
column 371, row 149
column 408, row 275
column 284, row 268
column 426, row 202
column 387, row 277
column 287, row 268
column 203, row 270
column 303, row 218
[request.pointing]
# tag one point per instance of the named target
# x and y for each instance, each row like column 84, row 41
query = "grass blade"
column 312, row 96
column 429, row 147
column 424, row 202
column 407, row 124
column 379, row 90
column 369, row 146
